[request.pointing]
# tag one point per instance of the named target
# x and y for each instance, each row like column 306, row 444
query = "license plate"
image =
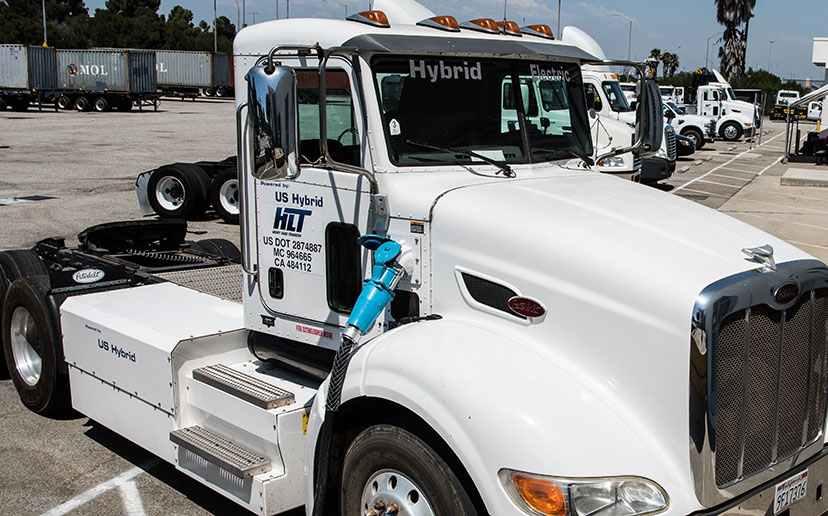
column 790, row 491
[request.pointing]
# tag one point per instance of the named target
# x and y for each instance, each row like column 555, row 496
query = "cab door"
column 311, row 267
column 710, row 103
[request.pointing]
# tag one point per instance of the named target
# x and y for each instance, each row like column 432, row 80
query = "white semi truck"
column 513, row 336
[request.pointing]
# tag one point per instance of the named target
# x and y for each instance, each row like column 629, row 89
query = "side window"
column 343, row 135
column 593, row 98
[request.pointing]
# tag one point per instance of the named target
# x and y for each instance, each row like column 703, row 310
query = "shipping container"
column 13, row 68
column 92, row 70
column 142, row 71
column 221, row 70
column 42, row 71
column 184, row 69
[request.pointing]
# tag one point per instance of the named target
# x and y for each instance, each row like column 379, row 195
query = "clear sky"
column 681, row 27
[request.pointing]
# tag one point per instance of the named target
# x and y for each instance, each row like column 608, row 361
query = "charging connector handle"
column 378, row 291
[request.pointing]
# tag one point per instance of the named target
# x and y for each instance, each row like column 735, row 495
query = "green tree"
column 732, row 14
column 67, row 23
column 670, row 62
column 653, row 60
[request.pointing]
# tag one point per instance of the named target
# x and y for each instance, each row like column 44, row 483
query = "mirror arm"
column 641, row 68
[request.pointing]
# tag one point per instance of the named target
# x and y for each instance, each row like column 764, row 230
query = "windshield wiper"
column 567, row 152
column 502, row 167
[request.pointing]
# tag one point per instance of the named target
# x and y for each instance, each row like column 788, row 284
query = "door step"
column 243, row 386
column 219, row 451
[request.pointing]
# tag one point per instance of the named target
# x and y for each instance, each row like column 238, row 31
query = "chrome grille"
column 670, row 137
column 770, row 384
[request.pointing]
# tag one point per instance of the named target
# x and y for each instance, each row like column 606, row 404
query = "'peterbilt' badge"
column 526, row 307
column 786, row 293
column 88, row 276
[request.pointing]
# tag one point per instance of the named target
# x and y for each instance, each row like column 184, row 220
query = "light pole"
column 770, row 47
column 559, row 20
column 45, row 43
column 215, row 35
column 238, row 17
column 254, row 13
column 707, row 50
column 629, row 42
column 277, row 9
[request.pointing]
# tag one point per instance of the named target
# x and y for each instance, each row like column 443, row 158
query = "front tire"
column 31, row 346
column 696, row 136
column 388, row 465
column 731, row 131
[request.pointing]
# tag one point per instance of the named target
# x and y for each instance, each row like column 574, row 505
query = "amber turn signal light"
column 542, row 495
column 482, row 25
column 448, row 23
column 509, row 27
column 373, row 18
column 543, row 31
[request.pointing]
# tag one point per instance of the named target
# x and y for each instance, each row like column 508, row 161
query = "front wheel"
column 387, row 466
column 731, row 131
column 696, row 136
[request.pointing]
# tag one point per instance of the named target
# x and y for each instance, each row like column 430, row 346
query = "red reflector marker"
column 526, row 307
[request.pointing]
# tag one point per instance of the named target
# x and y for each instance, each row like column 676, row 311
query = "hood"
column 617, row 267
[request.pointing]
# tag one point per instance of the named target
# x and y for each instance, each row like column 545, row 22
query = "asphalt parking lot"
column 62, row 172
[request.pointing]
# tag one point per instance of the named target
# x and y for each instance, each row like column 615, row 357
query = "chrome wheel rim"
column 25, row 346
column 693, row 137
column 389, row 487
column 229, row 196
column 170, row 193
column 730, row 132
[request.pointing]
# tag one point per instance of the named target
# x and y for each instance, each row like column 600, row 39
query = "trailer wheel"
column 386, row 464
column 178, row 191
column 221, row 91
column 101, row 105
column 224, row 195
column 63, row 102
column 31, row 345
column 695, row 135
column 82, row 103
column 218, row 247
column 731, row 131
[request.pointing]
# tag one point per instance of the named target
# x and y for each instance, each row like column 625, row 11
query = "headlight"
column 613, row 162
column 553, row 496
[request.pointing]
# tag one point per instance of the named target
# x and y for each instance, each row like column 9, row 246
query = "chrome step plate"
column 243, row 386
column 220, row 451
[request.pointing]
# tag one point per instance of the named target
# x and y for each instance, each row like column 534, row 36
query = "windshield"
column 438, row 110
column 628, row 87
column 730, row 94
column 675, row 108
column 789, row 94
column 615, row 95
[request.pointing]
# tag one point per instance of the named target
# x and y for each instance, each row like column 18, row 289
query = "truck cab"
column 698, row 128
column 434, row 313
column 674, row 94
column 735, row 118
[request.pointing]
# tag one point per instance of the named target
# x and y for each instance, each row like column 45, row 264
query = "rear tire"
column 178, row 191
column 63, row 102
column 101, row 105
column 387, row 464
column 82, row 104
column 16, row 264
column 224, row 195
column 32, row 347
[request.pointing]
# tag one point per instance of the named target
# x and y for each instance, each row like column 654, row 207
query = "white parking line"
column 707, row 193
column 730, row 177
column 722, row 165
column 769, row 166
column 133, row 506
column 806, row 243
column 103, row 487
column 765, row 217
column 732, row 169
column 720, row 184
column 784, row 206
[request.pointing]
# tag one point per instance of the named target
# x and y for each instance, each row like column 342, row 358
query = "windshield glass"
column 730, row 94
column 615, row 95
column 507, row 110
column 789, row 94
column 675, row 108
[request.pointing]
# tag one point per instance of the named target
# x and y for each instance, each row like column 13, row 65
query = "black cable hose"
column 332, row 403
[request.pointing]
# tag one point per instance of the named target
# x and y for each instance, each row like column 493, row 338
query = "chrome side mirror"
column 274, row 122
column 650, row 116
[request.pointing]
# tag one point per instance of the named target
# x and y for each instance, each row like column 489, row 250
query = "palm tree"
column 671, row 63
column 732, row 14
column 655, row 57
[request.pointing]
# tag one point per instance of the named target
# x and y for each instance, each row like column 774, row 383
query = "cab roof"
column 257, row 40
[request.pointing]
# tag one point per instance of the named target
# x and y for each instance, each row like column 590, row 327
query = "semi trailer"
column 434, row 315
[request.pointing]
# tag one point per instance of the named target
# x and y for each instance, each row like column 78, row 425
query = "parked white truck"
column 514, row 336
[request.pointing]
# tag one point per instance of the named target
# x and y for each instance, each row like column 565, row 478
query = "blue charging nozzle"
column 378, row 291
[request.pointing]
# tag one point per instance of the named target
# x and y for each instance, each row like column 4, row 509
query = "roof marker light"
column 542, row 31
column 487, row 25
column 373, row 18
column 509, row 27
column 448, row 23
